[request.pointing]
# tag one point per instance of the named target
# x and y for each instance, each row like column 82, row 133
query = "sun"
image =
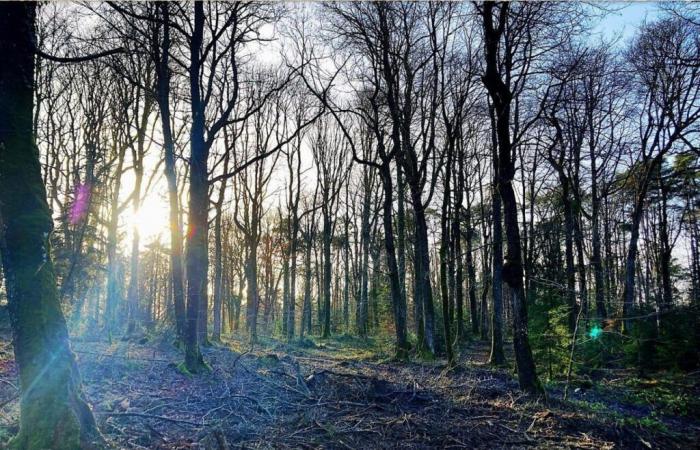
column 151, row 220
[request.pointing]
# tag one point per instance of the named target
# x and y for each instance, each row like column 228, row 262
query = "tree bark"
column 497, row 356
column 53, row 411
column 501, row 97
column 398, row 301
column 113, row 266
column 569, row 250
column 596, row 255
column 218, row 250
column 364, row 262
column 197, row 260
column 444, row 249
column 291, row 313
column 326, row 238
column 251, row 272
column 163, row 89
column 346, row 270
column 135, row 316
column 471, row 271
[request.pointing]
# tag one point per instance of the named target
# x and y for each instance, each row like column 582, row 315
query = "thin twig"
column 151, row 416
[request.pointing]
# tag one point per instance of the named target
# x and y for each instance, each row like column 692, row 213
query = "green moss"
column 401, row 355
column 269, row 360
column 49, row 412
column 425, row 354
column 182, row 368
column 648, row 422
column 202, row 368
column 667, row 394
column 305, row 342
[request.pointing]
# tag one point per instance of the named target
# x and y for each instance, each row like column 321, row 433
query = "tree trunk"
column 485, row 271
column 364, row 261
column 444, row 244
column 398, row 301
column 581, row 265
column 401, row 228
column 197, row 258
column 306, row 308
column 218, row 250
column 218, row 270
column 285, row 290
column 422, row 269
column 133, row 295
column 346, row 275
column 253, row 304
column 596, row 255
column 459, row 278
column 569, row 251
column 327, row 234
column 163, row 86
column 501, row 96
column 665, row 253
column 497, row 356
column 113, row 266
column 471, row 273
column 291, row 313
column 631, row 259
column 53, row 412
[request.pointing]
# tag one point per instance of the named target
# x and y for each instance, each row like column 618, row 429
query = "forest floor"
column 344, row 393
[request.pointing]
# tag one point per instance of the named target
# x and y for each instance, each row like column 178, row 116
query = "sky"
column 618, row 26
column 625, row 17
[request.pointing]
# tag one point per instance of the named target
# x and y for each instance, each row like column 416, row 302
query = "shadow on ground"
column 336, row 394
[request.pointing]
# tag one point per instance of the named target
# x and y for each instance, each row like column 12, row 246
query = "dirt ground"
column 337, row 395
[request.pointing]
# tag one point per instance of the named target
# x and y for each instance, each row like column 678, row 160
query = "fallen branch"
column 240, row 355
column 151, row 416
column 110, row 355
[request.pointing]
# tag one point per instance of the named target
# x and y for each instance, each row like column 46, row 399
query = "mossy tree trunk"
column 53, row 413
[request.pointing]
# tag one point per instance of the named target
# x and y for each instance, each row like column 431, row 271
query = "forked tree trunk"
column 501, row 96
column 53, row 412
column 422, row 270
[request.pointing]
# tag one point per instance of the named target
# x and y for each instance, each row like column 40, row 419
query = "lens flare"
column 595, row 332
column 80, row 205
